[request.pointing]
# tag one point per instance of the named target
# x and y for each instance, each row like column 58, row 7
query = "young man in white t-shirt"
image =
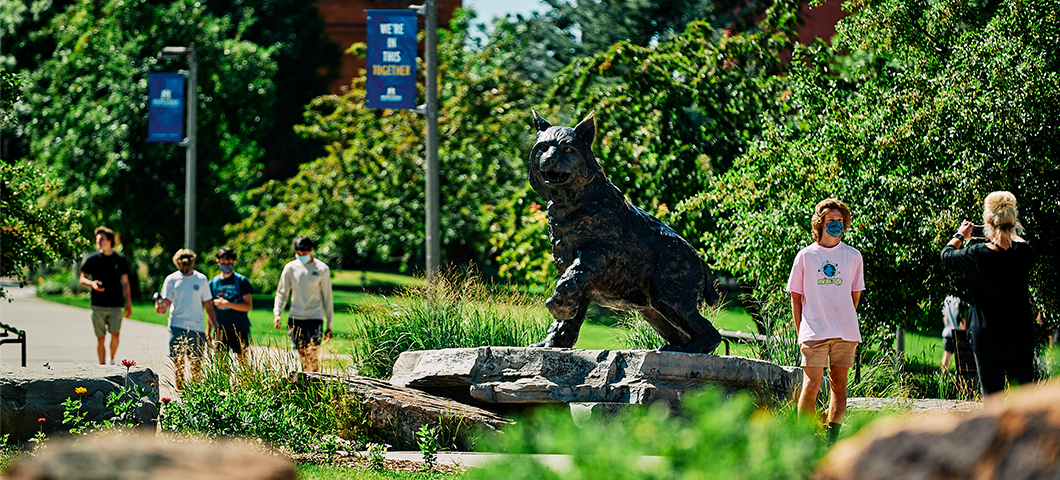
column 188, row 292
column 826, row 282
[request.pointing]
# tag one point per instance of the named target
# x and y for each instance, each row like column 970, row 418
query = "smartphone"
column 977, row 231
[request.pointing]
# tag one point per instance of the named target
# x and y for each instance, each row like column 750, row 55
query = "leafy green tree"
column 940, row 104
column 569, row 30
column 671, row 117
column 33, row 233
column 85, row 117
column 363, row 201
column 307, row 62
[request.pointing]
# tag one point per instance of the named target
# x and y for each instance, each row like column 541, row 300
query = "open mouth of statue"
column 557, row 178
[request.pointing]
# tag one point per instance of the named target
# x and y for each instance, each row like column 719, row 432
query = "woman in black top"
column 1002, row 324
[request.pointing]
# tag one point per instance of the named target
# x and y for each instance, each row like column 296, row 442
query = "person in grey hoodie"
column 306, row 281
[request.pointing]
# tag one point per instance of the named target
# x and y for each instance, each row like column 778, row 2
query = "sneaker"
column 112, row 362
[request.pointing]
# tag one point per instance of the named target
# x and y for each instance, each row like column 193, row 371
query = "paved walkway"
column 57, row 333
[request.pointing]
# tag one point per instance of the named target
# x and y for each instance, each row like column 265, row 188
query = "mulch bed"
column 359, row 462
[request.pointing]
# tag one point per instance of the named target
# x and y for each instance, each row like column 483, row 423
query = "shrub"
column 257, row 401
column 714, row 437
column 456, row 310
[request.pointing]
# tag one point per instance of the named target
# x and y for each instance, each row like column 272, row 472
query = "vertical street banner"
column 391, row 74
column 165, row 107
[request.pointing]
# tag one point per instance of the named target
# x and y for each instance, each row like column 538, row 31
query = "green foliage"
column 377, row 455
column 84, row 116
column 73, row 415
column 364, row 200
column 10, row 92
column 940, row 104
column 257, row 401
column 33, row 232
column 307, row 62
column 456, row 311
column 715, row 437
column 427, row 441
column 671, row 117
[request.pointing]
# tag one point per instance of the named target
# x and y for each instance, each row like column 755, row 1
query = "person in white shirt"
column 951, row 322
column 188, row 293
column 825, row 283
column 307, row 282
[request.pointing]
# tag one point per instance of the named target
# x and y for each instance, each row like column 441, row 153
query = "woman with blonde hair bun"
column 998, row 270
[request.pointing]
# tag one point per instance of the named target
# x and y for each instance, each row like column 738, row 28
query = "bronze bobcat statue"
column 611, row 252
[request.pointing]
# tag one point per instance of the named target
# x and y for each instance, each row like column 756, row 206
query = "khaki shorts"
column 106, row 317
column 833, row 352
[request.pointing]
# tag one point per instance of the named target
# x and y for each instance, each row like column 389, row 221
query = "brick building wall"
column 346, row 20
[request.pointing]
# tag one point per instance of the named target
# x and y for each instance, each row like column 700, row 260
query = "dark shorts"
column 186, row 342
column 305, row 332
column 949, row 344
column 235, row 337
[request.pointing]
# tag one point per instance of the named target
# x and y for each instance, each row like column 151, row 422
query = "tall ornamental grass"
column 455, row 310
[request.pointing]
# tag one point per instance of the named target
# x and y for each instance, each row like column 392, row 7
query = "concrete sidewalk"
column 57, row 333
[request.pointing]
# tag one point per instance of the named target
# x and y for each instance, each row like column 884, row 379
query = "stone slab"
column 30, row 394
column 525, row 375
column 396, row 413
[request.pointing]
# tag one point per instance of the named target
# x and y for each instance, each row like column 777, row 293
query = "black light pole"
column 192, row 100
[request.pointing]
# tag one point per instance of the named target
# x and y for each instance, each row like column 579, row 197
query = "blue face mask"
column 304, row 258
column 834, row 228
column 226, row 268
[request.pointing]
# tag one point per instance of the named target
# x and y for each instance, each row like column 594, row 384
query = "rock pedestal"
column 1013, row 439
column 30, row 394
column 522, row 375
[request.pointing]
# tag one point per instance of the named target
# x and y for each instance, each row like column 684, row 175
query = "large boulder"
column 154, row 458
column 30, row 394
column 523, row 375
column 396, row 413
column 1013, row 439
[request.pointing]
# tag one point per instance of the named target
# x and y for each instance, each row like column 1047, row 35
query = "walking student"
column 232, row 299
column 825, row 283
column 307, row 282
column 188, row 293
column 106, row 273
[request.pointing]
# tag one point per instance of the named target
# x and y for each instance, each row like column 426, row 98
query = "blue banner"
column 165, row 107
column 391, row 59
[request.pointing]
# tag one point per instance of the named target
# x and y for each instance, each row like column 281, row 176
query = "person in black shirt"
column 106, row 273
column 1002, row 323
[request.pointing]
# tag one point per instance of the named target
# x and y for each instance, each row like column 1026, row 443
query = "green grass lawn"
column 357, row 291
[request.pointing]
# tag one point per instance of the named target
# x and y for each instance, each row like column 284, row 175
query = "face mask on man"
column 227, row 268
column 834, row 228
column 304, row 258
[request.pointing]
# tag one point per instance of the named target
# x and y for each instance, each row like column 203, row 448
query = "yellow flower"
column 80, row 390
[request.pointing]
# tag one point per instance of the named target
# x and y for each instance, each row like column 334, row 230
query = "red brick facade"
column 346, row 23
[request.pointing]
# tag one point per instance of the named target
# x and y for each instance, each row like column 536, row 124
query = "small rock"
column 1013, row 439
column 150, row 458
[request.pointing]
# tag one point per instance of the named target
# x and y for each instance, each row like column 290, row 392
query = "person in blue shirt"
column 232, row 298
